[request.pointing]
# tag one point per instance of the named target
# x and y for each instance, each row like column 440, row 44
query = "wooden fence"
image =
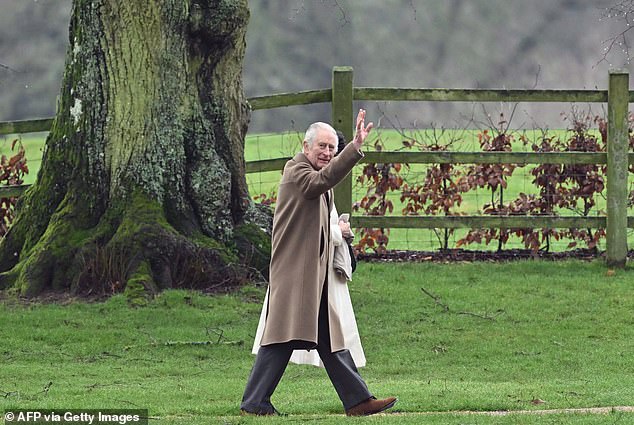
column 342, row 94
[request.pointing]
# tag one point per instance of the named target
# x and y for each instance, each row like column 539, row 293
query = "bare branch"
column 622, row 13
column 539, row 69
column 298, row 10
column 8, row 68
column 344, row 17
column 436, row 299
column 445, row 307
column 411, row 5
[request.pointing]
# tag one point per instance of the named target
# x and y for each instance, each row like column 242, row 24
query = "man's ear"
column 304, row 146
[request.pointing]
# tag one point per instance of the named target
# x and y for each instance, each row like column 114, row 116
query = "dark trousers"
column 272, row 360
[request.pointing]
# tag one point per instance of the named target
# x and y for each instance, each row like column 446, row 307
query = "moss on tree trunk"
column 142, row 178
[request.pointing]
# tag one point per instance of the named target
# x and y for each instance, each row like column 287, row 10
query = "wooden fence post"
column 342, row 120
column 617, row 164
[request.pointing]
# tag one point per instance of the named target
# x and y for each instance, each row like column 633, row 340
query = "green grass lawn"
column 483, row 337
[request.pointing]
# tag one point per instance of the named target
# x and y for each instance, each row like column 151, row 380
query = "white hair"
column 311, row 132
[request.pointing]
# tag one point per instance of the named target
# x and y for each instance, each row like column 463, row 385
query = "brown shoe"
column 371, row 406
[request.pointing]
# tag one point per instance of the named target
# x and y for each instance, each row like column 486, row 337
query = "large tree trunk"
column 142, row 180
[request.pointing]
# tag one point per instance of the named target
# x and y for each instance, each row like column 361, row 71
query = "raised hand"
column 361, row 130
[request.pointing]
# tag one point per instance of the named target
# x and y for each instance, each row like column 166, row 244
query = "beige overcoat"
column 338, row 299
column 300, row 247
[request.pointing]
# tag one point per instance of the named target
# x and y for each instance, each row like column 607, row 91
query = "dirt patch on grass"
column 48, row 297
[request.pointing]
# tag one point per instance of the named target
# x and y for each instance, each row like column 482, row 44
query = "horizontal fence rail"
column 342, row 94
column 290, row 99
column 520, row 158
column 27, row 126
column 13, row 191
column 517, row 158
column 376, row 94
column 479, row 95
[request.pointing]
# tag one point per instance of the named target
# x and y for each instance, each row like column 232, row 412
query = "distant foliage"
column 574, row 187
column 12, row 172
column 269, row 200
column 493, row 177
column 380, row 180
column 442, row 188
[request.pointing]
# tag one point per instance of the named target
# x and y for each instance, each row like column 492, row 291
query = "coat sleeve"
column 313, row 183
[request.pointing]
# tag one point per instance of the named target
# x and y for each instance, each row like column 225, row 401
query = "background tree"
column 292, row 45
column 142, row 181
column 619, row 15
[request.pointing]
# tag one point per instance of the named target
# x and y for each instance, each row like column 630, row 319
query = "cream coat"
column 338, row 299
column 300, row 248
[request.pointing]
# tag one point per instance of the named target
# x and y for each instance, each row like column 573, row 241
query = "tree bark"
column 142, row 183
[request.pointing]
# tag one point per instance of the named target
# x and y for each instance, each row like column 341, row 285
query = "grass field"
column 267, row 146
column 482, row 337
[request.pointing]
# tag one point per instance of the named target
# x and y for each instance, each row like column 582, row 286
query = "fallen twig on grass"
column 177, row 343
column 219, row 332
column 7, row 394
column 185, row 343
column 446, row 309
column 436, row 299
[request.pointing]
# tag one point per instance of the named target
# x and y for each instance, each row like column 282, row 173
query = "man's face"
column 322, row 150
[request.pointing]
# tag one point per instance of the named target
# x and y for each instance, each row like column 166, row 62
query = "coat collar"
column 301, row 157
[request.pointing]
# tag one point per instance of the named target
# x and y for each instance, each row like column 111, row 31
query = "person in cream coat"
column 299, row 314
column 338, row 300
